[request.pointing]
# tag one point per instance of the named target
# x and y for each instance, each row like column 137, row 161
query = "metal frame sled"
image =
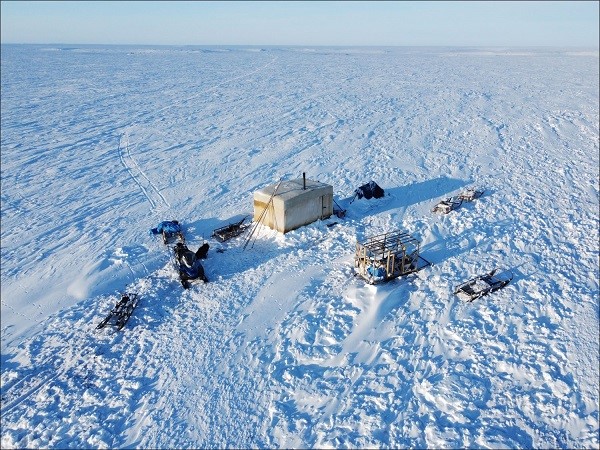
column 230, row 231
column 387, row 256
column 483, row 284
column 121, row 312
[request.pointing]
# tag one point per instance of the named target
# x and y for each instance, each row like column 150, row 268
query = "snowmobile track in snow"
column 148, row 188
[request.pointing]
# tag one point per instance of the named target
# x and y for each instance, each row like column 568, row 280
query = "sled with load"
column 386, row 256
column 452, row 203
column 483, row 285
column 338, row 210
column 170, row 231
column 230, row 231
column 470, row 194
column 121, row 313
column 368, row 191
column 447, row 205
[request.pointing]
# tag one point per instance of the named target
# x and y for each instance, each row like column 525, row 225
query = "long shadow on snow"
column 229, row 258
column 404, row 196
column 198, row 231
column 451, row 246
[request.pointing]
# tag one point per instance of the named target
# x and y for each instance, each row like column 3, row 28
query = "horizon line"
column 313, row 45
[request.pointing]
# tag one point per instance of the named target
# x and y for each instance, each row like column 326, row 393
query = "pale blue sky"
column 539, row 23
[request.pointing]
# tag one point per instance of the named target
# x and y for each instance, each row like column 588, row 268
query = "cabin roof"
column 290, row 189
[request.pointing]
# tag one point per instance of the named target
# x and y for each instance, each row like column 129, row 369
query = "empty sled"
column 121, row 313
column 483, row 284
column 230, row 231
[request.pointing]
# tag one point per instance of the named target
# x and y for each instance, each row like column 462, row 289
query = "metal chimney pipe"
column 304, row 180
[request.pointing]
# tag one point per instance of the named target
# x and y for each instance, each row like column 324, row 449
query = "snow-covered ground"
column 285, row 347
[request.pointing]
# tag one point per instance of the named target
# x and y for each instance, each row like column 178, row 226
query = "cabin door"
column 326, row 207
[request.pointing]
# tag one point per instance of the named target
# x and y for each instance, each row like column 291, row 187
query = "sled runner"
column 483, row 284
column 230, row 231
column 121, row 313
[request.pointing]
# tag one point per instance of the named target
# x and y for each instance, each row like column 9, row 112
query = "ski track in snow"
column 285, row 347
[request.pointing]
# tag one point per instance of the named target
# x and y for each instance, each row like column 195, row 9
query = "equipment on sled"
column 232, row 230
column 447, row 205
column 387, row 256
column 470, row 194
column 121, row 312
column 452, row 203
column 368, row 191
column 170, row 230
column 483, row 284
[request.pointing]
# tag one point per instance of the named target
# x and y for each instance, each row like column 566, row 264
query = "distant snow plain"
column 285, row 347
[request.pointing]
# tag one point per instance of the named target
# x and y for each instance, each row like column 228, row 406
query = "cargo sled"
column 170, row 230
column 447, row 205
column 470, row 194
column 387, row 256
column 230, row 231
column 368, row 191
column 483, row 285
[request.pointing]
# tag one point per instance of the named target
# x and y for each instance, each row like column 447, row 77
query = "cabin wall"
column 288, row 214
column 308, row 211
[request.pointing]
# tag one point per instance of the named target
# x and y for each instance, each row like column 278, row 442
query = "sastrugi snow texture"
column 285, row 348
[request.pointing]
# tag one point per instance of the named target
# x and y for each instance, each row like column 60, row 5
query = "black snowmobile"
column 188, row 263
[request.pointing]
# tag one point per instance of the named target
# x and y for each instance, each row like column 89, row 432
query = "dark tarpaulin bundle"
column 369, row 190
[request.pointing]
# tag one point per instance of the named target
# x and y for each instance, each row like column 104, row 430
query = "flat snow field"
column 285, row 347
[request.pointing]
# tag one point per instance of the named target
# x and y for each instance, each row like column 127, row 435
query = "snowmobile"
column 188, row 263
column 121, row 312
column 483, row 284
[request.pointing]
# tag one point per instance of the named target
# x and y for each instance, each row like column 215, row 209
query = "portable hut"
column 387, row 256
column 288, row 205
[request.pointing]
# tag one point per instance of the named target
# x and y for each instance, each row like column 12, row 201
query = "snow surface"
column 285, row 347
